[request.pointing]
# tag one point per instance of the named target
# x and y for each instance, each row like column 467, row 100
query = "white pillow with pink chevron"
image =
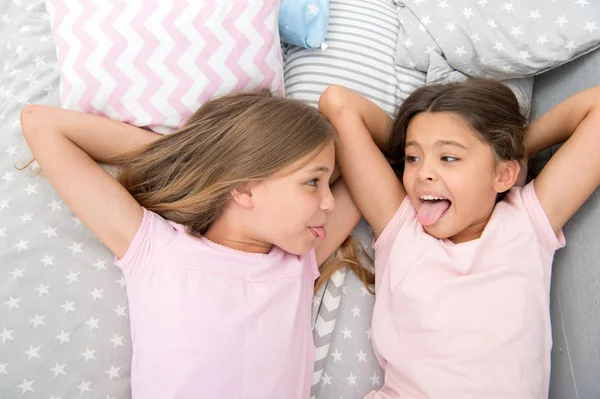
column 153, row 63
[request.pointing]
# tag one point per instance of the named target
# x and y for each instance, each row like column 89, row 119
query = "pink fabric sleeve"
column 384, row 243
column 386, row 238
column 153, row 230
column 540, row 220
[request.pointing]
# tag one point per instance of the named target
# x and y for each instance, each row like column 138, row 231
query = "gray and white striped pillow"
column 361, row 41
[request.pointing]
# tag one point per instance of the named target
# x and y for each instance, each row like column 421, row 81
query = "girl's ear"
column 506, row 175
column 243, row 196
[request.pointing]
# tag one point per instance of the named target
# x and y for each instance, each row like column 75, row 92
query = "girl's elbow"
column 36, row 118
column 592, row 97
column 333, row 100
column 30, row 115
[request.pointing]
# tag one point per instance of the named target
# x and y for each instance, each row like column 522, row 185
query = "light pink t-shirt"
column 469, row 320
column 208, row 321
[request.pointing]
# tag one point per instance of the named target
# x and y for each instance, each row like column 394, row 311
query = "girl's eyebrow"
column 439, row 143
column 320, row 169
column 450, row 142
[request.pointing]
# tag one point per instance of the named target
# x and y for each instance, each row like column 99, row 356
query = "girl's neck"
column 471, row 233
column 233, row 236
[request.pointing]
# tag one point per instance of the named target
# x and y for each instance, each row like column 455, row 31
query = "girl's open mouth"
column 432, row 208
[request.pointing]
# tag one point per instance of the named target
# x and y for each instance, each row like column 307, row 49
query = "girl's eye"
column 313, row 182
column 411, row 159
column 449, row 159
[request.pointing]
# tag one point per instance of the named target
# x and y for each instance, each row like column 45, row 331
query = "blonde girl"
column 219, row 229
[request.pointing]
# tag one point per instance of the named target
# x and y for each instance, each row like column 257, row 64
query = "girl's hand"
column 66, row 145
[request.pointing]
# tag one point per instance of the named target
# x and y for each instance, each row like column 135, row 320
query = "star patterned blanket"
column 501, row 39
column 64, row 327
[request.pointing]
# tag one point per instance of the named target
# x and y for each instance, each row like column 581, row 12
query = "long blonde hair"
column 188, row 176
column 347, row 255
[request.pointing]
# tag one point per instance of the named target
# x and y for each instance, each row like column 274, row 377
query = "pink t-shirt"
column 208, row 321
column 469, row 320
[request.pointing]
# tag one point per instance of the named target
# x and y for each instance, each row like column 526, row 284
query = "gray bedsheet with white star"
column 64, row 327
column 499, row 39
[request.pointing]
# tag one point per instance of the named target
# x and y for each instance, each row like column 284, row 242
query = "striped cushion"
column 362, row 38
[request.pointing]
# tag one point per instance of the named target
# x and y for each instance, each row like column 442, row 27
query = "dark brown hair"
column 488, row 106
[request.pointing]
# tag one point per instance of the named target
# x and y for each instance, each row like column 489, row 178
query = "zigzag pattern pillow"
column 153, row 63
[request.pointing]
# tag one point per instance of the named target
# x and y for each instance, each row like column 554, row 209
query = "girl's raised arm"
column 361, row 127
column 573, row 173
column 67, row 145
column 339, row 223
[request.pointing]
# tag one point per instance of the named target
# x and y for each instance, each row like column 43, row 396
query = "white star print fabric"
column 501, row 39
column 64, row 327
column 345, row 364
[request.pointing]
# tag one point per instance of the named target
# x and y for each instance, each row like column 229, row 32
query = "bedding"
column 153, row 63
column 347, row 367
column 497, row 39
column 361, row 41
column 64, row 328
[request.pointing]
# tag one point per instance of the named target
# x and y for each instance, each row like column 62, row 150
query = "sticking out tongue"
column 318, row 232
column 431, row 211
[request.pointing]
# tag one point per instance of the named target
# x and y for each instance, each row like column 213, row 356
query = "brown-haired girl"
column 462, row 257
column 219, row 229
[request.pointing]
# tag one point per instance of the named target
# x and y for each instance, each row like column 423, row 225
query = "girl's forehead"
column 323, row 153
column 435, row 126
column 321, row 158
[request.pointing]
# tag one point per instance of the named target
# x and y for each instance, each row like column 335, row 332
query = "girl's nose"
column 327, row 200
column 426, row 171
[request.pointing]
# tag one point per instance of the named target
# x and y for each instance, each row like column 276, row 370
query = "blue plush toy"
column 304, row 22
